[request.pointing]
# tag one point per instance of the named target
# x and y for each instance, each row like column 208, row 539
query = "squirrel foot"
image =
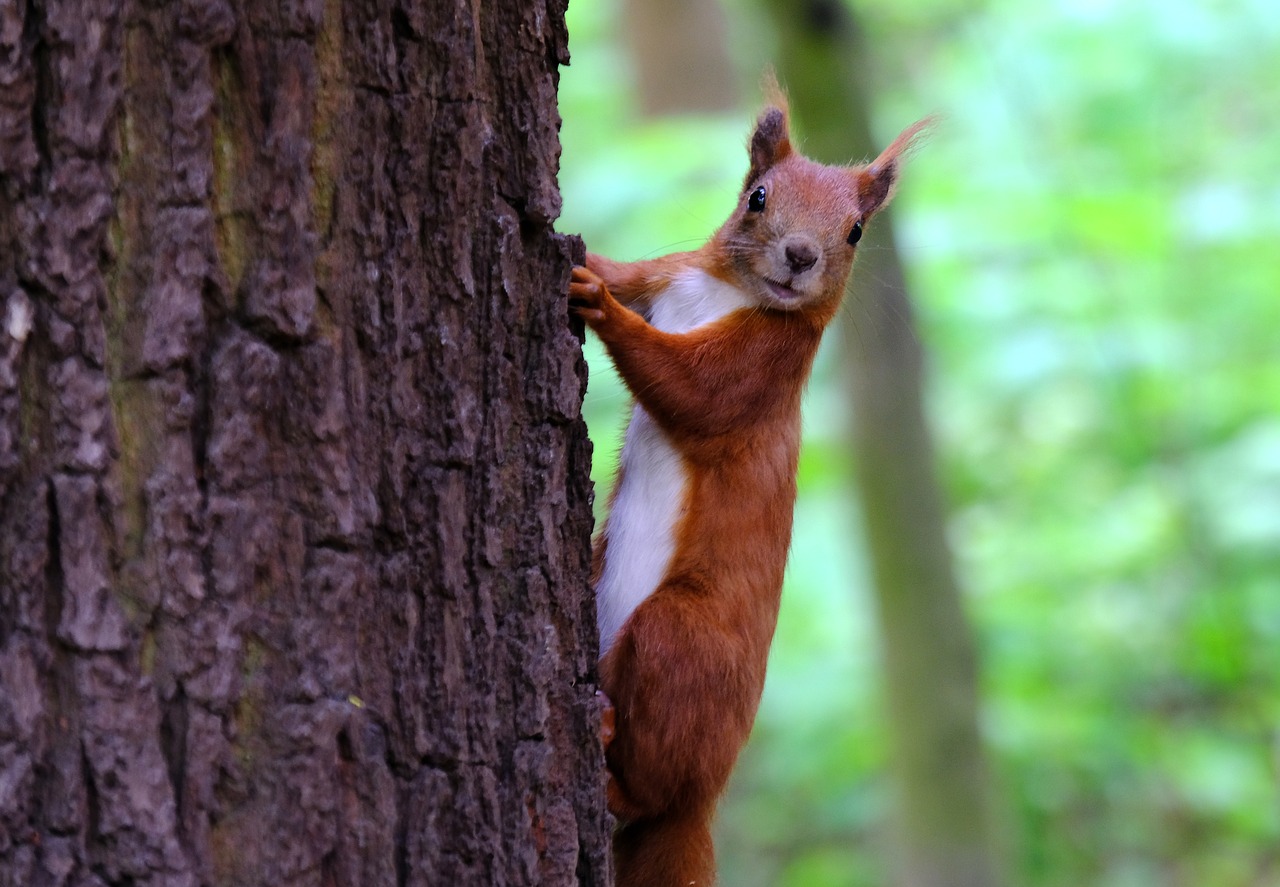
column 587, row 294
column 608, row 720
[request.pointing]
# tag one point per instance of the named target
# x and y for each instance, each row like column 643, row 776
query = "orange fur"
column 686, row 669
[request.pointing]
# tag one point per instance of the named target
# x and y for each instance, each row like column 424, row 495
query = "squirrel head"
column 791, row 239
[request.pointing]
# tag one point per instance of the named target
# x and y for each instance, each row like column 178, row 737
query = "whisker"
column 663, row 250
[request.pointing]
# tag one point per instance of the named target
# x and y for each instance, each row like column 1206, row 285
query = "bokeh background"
column 1090, row 242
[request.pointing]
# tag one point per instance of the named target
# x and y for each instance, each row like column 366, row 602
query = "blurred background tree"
column 1089, row 239
column 944, row 829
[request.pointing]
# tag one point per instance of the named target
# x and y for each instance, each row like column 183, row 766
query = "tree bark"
column 294, row 508
column 946, row 832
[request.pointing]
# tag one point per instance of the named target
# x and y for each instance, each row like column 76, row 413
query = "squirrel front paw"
column 588, row 296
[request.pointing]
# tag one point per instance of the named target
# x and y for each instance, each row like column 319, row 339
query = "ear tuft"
column 877, row 180
column 774, row 95
column 771, row 141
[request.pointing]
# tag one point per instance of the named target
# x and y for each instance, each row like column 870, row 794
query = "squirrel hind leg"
column 664, row 851
column 608, row 720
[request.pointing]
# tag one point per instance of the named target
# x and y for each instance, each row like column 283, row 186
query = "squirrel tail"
column 671, row 850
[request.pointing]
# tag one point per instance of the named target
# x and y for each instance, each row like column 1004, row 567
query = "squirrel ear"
column 878, row 178
column 770, row 142
column 875, row 185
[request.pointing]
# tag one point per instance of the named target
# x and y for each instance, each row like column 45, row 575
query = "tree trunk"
column 679, row 52
column 946, row 831
column 294, row 509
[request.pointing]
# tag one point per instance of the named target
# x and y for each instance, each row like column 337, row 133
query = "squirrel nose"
column 800, row 257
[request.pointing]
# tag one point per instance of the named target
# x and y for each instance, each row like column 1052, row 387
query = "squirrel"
column 715, row 346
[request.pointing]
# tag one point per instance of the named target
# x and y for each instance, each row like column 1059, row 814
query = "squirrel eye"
column 856, row 234
column 755, row 202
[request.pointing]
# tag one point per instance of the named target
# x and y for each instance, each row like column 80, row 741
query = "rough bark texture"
column 294, row 509
column 946, row 831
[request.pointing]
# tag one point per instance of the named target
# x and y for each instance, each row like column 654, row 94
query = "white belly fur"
column 646, row 508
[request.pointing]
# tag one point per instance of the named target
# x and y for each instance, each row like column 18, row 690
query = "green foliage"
column 1091, row 241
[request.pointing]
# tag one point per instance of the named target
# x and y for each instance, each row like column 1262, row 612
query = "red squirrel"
column 715, row 346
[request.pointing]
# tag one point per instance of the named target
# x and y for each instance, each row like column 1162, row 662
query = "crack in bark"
column 402, row 835
column 41, row 62
column 53, row 568
column 93, row 816
column 174, row 718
